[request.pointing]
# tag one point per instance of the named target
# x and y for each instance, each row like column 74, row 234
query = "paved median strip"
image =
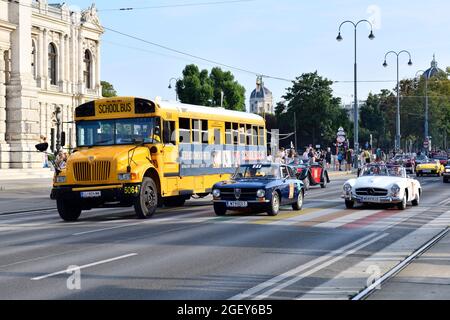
column 84, row 266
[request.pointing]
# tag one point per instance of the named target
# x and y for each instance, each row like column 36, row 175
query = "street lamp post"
column 397, row 135
column 426, row 133
column 170, row 86
column 355, row 107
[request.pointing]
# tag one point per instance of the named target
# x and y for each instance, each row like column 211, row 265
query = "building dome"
column 433, row 71
column 261, row 93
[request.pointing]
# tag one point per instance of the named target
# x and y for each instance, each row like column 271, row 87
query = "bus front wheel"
column 146, row 203
column 68, row 211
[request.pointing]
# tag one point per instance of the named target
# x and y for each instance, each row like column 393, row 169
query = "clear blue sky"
column 283, row 38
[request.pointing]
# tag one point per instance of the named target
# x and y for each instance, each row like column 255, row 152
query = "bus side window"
column 228, row 134
column 185, row 130
column 235, row 133
column 249, row 134
column 169, row 133
column 205, row 132
column 255, row 135
column 217, row 136
column 261, row 136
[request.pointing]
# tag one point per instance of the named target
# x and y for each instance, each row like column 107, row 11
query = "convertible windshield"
column 118, row 131
column 257, row 172
column 393, row 171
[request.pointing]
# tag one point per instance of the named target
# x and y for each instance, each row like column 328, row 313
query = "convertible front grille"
column 371, row 192
column 96, row 171
column 246, row 194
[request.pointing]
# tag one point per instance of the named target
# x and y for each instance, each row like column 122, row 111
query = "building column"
column 81, row 86
column 39, row 59
column 4, row 147
column 45, row 80
column 61, row 62
column 22, row 125
column 66, row 62
column 98, row 79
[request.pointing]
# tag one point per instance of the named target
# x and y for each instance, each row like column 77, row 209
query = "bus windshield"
column 118, row 131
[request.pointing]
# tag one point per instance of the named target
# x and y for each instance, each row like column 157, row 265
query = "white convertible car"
column 382, row 184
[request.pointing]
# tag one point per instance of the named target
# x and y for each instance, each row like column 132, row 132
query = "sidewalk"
column 25, row 179
column 426, row 278
column 19, row 174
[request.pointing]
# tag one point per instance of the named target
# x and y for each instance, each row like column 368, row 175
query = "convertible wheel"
column 306, row 183
column 445, row 180
column 402, row 205
column 349, row 204
column 416, row 201
column 324, row 183
column 299, row 203
column 274, row 206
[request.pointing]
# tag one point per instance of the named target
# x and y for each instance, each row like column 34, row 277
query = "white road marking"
column 84, row 266
column 340, row 253
column 316, row 269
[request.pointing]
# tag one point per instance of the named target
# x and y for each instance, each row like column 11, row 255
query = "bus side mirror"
column 63, row 139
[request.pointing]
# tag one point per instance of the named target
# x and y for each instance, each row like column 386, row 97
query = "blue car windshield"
column 257, row 172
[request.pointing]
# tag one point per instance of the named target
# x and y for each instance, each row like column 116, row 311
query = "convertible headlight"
column 447, row 170
column 260, row 193
column 347, row 188
column 395, row 189
column 216, row 193
column 61, row 179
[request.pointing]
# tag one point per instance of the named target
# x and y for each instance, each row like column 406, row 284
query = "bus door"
column 170, row 151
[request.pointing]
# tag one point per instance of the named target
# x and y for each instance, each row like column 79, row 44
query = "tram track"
column 366, row 292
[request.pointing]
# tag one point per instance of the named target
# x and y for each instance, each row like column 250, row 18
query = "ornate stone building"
column 261, row 99
column 49, row 58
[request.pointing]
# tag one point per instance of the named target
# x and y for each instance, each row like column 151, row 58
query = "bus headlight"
column 61, row 179
column 260, row 193
column 216, row 193
column 124, row 176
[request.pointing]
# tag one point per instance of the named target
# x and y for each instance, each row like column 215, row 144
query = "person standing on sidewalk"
column 348, row 160
column 328, row 158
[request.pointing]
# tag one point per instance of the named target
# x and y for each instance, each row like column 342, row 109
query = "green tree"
column 318, row 112
column 203, row 88
column 108, row 89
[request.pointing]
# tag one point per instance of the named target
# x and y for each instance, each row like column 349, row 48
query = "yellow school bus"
column 138, row 152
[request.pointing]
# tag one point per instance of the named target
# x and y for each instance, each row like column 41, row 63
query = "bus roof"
column 222, row 112
column 89, row 110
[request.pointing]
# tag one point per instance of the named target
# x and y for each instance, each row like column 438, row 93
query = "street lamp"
column 355, row 107
column 170, row 86
column 426, row 102
column 397, row 136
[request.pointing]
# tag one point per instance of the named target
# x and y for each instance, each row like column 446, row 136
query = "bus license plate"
column 237, row 204
column 91, row 194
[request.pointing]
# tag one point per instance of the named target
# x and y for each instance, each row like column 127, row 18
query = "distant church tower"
column 261, row 100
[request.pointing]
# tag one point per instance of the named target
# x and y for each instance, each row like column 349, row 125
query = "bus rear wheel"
column 146, row 203
column 68, row 210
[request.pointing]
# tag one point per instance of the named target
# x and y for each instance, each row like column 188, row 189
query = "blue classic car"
column 262, row 187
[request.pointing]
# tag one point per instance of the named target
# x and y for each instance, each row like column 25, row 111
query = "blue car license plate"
column 237, row 204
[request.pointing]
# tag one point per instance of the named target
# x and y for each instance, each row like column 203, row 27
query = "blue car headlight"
column 216, row 193
column 260, row 193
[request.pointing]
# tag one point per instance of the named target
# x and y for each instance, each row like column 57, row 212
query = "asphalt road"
column 321, row 252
